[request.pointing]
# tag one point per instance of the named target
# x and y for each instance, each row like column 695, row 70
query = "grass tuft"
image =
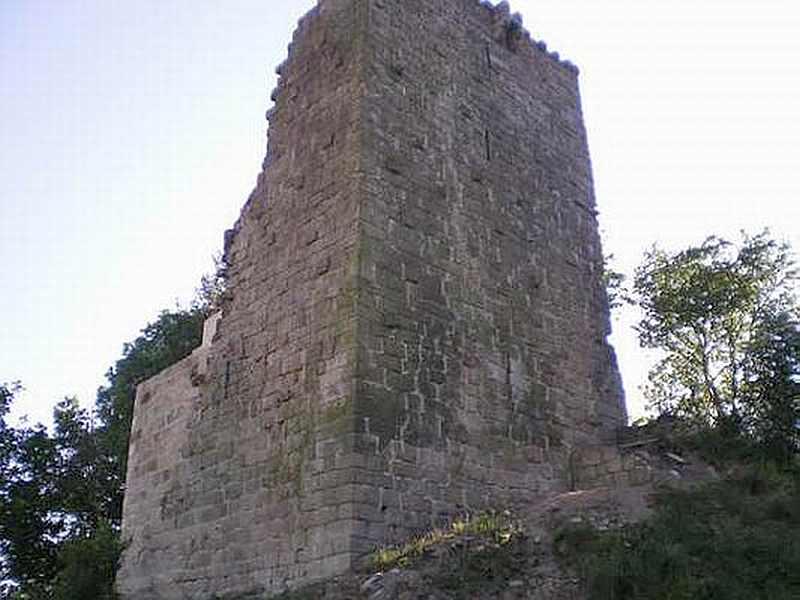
column 497, row 527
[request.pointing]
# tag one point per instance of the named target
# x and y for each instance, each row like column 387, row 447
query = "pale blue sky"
column 132, row 132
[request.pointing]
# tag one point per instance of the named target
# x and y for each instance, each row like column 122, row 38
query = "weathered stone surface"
column 416, row 324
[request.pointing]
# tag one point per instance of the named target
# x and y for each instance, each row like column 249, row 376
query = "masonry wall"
column 256, row 494
column 164, row 408
column 415, row 326
column 482, row 319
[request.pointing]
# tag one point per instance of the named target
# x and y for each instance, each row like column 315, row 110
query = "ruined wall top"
column 506, row 22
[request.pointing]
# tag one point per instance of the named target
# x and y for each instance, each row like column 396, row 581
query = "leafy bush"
column 737, row 539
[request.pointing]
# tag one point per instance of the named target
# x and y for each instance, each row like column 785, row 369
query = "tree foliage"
column 773, row 388
column 725, row 317
column 87, row 563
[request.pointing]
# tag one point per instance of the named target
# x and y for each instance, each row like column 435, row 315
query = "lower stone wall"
column 410, row 489
column 208, row 513
column 603, row 466
column 641, row 462
column 164, row 405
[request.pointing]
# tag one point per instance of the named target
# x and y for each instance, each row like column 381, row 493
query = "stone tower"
column 416, row 324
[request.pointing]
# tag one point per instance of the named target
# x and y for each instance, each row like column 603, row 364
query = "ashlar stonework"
column 416, row 325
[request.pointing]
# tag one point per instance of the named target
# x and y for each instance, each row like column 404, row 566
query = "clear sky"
column 131, row 133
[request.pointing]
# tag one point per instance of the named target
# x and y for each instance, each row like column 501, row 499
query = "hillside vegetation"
column 733, row 538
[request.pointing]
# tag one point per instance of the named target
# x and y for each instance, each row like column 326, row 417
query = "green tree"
column 29, row 523
column 725, row 317
column 87, row 563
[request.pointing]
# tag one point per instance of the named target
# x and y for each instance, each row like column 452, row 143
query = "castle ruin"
column 416, row 324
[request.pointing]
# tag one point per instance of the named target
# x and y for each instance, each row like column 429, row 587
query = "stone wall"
column 482, row 322
column 259, row 497
column 415, row 326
